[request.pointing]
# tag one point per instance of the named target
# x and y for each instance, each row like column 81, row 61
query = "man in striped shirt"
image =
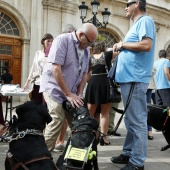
column 64, row 76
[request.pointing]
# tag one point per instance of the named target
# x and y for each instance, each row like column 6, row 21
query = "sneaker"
column 121, row 159
column 59, row 148
column 130, row 166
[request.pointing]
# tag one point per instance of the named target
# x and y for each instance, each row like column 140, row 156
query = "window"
column 3, row 64
column 109, row 38
column 6, row 49
column 7, row 25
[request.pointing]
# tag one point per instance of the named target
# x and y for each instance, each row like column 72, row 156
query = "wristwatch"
column 121, row 47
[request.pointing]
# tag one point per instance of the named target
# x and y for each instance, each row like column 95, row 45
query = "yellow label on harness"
column 77, row 154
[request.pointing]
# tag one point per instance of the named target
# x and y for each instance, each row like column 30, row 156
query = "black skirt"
column 97, row 91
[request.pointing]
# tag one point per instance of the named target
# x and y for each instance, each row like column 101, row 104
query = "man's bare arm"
column 167, row 73
column 73, row 98
column 82, row 84
column 144, row 45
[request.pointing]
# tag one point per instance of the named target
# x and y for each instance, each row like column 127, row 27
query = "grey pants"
column 112, row 117
column 58, row 115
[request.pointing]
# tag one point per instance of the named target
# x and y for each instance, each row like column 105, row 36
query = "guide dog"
column 27, row 147
column 158, row 118
column 84, row 134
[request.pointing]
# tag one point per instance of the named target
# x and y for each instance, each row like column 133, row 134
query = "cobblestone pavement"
column 157, row 160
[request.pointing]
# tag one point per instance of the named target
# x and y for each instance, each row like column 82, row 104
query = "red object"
column 1, row 113
column 46, row 51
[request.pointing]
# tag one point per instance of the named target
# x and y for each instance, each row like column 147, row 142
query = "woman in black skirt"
column 97, row 92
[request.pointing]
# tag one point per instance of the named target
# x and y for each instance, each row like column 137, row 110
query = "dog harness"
column 20, row 135
column 11, row 158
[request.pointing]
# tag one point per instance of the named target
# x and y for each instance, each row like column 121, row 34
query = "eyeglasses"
column 89, row 42
column 130, row 3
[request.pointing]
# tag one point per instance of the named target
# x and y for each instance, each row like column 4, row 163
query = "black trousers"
column 163, row 97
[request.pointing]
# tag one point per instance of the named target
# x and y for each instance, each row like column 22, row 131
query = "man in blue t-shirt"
column 162, row 79
column 135, row 62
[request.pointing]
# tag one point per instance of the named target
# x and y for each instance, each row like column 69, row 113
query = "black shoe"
column 113, row 133
column 150, row 137
column 130, row 166
column 102, row 142
column 121, row 159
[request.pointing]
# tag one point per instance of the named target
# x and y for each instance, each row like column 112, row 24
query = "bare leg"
column 92, row 108
column 60, row 139
column 104, row 119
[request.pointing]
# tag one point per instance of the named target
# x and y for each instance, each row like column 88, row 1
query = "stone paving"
column 157, row 160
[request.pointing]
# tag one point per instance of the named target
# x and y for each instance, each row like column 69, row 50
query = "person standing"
column 162, row 79
column 97, row 92
column 37, row 68
column 6, row 77
column 59, row 146
column 135, row 63
column 64, row 76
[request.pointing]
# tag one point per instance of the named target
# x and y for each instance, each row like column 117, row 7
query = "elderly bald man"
column 64, row 76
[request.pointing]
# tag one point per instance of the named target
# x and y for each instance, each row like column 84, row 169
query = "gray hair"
column 69, row 28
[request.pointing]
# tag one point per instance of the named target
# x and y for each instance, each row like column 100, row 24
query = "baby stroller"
column 81, row 148
column 159, row 118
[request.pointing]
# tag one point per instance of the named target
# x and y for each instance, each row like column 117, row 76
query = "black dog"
column 27, row 147
column 84, row 134
column 158, row 117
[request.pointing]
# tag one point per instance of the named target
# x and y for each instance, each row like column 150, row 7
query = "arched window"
column 7, row 25
column 109, row 38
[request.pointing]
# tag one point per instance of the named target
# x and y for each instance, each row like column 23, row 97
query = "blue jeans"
column 148, row 99
column 136, row 140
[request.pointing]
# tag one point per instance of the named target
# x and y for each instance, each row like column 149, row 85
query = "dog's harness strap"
column 37, row 159
column 75, row 131
column 94, row 132
column 18, row 165
column 10, row 158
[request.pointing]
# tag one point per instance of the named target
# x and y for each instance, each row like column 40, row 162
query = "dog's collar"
column 19, row 135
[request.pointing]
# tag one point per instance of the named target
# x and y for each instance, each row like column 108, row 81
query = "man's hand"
column 118, row 46
column 75, row 100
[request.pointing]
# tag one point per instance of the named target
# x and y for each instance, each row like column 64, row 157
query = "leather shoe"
column 121, row 159
column 116, row 134
column 130, row 166
column 150, row 137
column 113, row 133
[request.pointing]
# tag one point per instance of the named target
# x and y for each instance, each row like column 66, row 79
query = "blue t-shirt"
column 137, row 66
column 159, row 77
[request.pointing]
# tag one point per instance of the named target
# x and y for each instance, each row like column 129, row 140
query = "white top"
column 37, row 66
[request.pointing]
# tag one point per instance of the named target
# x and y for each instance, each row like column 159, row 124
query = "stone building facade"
column 23, row 23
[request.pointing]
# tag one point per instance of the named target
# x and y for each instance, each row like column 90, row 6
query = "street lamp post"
column 95, row 7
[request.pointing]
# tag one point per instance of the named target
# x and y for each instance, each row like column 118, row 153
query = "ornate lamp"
column 95, row 7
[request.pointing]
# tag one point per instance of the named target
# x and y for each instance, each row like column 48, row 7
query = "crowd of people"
column 65, row 66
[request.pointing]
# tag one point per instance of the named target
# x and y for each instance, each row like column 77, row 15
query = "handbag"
column 114, row 94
